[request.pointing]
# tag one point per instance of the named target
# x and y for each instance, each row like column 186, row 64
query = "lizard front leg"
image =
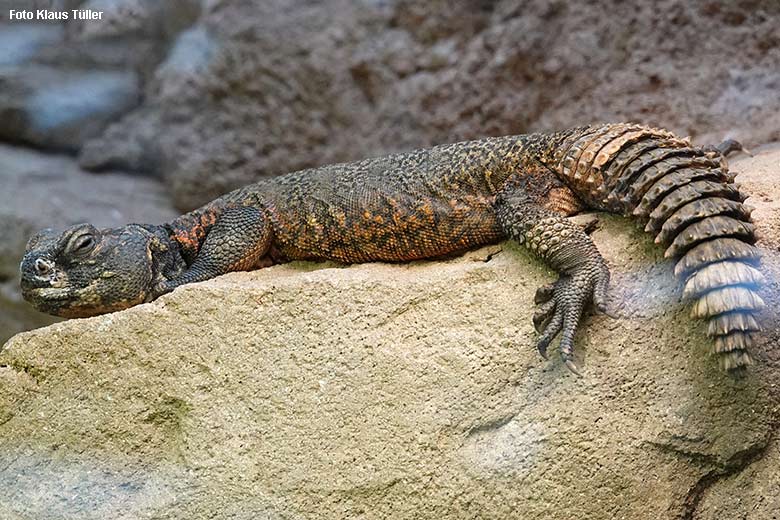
column 237, row 241
column 565, row 247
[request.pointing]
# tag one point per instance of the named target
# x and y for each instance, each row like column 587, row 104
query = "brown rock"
column 271, row 88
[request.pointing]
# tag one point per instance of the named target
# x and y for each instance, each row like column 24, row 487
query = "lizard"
column 440, row 201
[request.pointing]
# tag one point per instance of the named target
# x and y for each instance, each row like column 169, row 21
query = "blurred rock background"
column 161, row 106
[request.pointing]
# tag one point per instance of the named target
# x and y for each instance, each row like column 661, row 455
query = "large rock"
column 132, row 35
column 251, row 90
column 62, row 83
column 41, row 191
column 262, row 89
column 390, row 391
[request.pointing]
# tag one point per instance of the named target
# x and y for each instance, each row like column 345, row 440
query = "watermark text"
column 48, row 14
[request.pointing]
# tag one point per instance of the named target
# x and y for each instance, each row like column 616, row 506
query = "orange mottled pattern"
column 190, row 230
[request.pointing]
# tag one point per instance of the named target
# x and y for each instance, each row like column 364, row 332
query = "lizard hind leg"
column 239, row 239
column 565, row 247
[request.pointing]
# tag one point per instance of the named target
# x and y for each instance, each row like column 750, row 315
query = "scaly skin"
column 432, row 203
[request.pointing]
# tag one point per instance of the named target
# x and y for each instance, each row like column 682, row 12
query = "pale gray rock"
column 20, row 42
column 60, row 109
column 63, row 82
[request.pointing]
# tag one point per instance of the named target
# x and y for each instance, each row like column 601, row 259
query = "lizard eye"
column 82, row 245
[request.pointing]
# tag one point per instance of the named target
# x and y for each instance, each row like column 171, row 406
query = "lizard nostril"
column 42, row 267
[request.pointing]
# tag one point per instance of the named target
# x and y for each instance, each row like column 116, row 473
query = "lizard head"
column 84, row 271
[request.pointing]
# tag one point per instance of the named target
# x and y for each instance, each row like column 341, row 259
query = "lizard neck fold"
column 189, row 231
column 165, row 257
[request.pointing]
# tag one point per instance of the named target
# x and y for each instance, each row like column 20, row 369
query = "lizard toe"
column 600, row 287
column 543, row 315
column 552, row 330
column 571, row 321
column 544, row 293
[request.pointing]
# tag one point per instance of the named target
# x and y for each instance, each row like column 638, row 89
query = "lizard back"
column 408, row 206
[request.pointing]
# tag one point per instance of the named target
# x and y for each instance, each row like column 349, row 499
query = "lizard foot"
column 160, row 288
column 561, row 306
column 727, row 147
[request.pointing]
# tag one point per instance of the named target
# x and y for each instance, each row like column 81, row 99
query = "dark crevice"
column 490, row 255
column 702, row 459
column 734, row 465
column 492, row 425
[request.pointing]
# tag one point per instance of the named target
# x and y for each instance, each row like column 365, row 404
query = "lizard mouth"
column 57, row 301
column 49, row 293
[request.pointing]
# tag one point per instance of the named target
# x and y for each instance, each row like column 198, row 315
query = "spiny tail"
column 688, row 199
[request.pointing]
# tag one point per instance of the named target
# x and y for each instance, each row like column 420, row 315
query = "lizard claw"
column 550, row 331
column 572, row 367
column 606, row 312
column 728, row 147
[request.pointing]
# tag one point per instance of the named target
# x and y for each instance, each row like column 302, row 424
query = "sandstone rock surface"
column 755, row 492
column 394, row 391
